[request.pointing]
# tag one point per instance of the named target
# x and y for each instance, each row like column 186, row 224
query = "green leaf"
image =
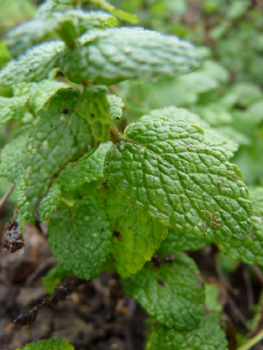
column 50, row 203
column 212, row 137
column 181, row 241
column 256, row 197
column 12, row 108
column 80, row 238
column 34, row 65
column 62, row 131
column 23, row 204
column 166, row 168
column 87, row 169
column 53, row 278
column 41, row 92
column 116, row 106
column 113, row 55
column 136, row 235
column 249, row 249
column 51, row 344
column 208, row 336
column 212, row 298
column 171, row 293
column 69, row 25
column 12, row 156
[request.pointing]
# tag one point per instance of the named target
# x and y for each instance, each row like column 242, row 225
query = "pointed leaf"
column 87, row 169
column 34, row 65
column 72, row 22
column 12, row 156
column 171, row 293
column 166, row 168
column 208, row 336
column 249, row 249
column 212, row 137
column 113, row 55
column 136, row 235
column 50, row 203
column 80, row 238
column 181, row 241
column 62, row 131
column 12, row 108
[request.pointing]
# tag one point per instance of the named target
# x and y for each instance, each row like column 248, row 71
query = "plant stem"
column 114, row 134
column 6, row 195
column 252, row 341
column 67, row 202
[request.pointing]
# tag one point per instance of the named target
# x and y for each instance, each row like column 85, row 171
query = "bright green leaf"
column 181, row 241
column 171, row 293
column 166, row 168
column 12, row 108
column 116, row 106
column 212, row 298
column 12, row 156
column 87, row 169
column 136, row 235
column 49, row 204
column 208, row 336
column 51, row 344
column 212, row 137
column 80, row 238
column 53, row 278
column 63, row 130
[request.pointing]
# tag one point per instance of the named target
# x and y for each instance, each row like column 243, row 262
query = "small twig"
column 258, row 273
column 252, row 341
column 227, row 286
column 249, row 288
column 6, row 195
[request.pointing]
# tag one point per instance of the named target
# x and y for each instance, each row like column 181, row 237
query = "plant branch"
column 6, row 195
column 114, row 134
column 252, row 341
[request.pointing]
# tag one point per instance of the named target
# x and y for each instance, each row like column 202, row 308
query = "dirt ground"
column 97, row 315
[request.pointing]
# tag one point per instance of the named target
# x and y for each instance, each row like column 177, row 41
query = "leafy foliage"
column 208, row 336
column 171, row 293
column 178, row 179
column 134, row 198
column 80, row 238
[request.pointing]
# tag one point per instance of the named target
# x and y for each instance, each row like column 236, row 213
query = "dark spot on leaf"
column 157, row 261
column 169, row 258
column 161, row 282
column 65, row 111
column 220, row 183
column 51, row 125
column 117, row 235
column 208, row 215
column 59, row 74
column 92, row 115
column 30, row 70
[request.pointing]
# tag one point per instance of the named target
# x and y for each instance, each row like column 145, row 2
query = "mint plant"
column 116, row 198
